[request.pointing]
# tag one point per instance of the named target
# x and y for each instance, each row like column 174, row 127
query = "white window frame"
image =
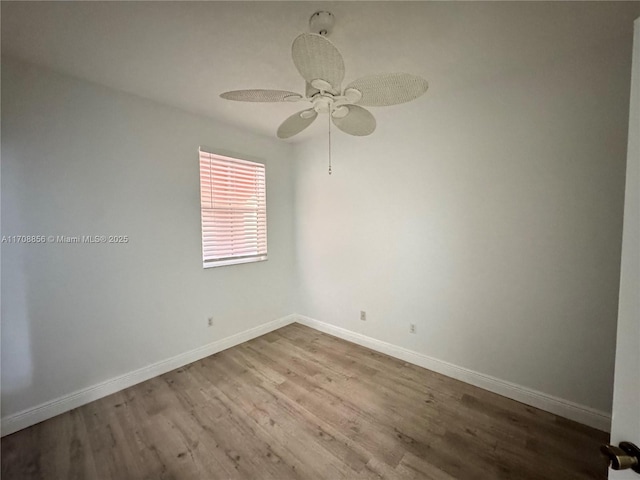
column 226, row 184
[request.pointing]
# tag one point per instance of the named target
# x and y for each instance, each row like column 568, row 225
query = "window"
column 233, row 201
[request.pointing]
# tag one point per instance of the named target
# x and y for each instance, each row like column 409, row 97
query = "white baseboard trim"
column 558, row 406
column 44, row 411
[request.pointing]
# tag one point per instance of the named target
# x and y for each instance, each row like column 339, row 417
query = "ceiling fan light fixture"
column 322, row 104
column 340, row 112
column 353, row 95
column 321, row 85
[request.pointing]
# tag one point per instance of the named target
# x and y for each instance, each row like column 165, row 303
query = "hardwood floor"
column 297, row 403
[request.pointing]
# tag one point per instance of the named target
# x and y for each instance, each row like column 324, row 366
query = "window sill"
column 236, row 261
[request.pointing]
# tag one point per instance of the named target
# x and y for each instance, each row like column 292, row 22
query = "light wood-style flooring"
column 300, row 404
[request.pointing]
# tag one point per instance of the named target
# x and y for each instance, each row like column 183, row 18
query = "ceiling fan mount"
column 322, row 23
column 321, row 66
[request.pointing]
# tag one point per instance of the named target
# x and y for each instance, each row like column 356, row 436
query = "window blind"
column 233, row 201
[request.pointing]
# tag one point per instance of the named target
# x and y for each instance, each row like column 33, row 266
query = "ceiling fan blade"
column 388, row 88
column 261, row 96
column 296, row 123
column 358, row 121
column 316, row 58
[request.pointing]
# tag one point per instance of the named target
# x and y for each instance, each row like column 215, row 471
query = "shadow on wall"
column 17, row 351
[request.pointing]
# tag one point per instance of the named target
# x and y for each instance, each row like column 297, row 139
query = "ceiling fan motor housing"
column 322, row 22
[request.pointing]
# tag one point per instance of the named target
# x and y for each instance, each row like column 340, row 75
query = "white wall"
column 80, row 159
column 490, row 217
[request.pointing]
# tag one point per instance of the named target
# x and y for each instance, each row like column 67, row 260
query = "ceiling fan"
column 321, row 65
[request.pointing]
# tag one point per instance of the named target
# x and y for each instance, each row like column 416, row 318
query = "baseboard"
column 31, row 416
column 558, row 406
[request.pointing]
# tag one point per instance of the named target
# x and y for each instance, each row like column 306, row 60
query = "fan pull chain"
column 329, row 142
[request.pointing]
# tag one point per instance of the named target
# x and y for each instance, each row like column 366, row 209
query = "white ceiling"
column 186, row 53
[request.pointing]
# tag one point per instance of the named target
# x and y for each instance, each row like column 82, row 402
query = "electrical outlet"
column 412, row 328
column 210, row 322
column 363, row 315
